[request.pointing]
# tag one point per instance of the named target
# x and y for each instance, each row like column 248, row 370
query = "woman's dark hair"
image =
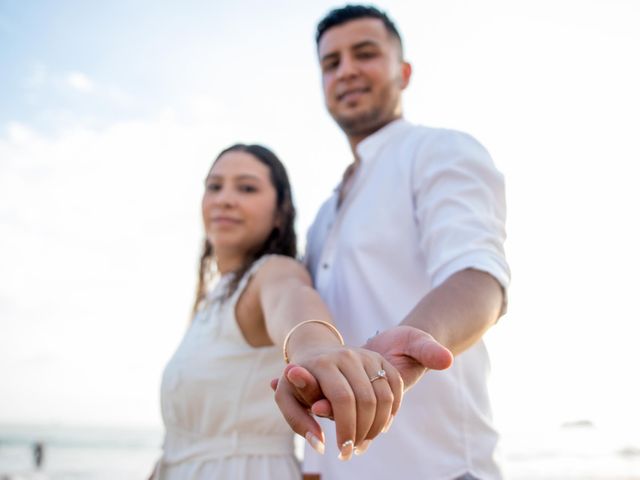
column 281, row 240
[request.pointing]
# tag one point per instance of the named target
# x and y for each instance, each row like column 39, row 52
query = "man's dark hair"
column 345, row 14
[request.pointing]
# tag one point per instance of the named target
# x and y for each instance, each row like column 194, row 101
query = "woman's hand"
column 362, row 398
column 410, row 350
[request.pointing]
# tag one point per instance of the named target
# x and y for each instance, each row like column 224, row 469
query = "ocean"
column 570, row 452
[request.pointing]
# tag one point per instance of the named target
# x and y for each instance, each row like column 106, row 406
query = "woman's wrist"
column 309, row 334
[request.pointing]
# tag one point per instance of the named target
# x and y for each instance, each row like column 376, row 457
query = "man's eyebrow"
column 329, row 55
column 357, row 46
column 364, row 43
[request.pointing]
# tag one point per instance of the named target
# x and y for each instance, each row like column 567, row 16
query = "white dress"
column 220, row 416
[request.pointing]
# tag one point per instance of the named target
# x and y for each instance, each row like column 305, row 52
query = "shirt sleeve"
column 460, row 207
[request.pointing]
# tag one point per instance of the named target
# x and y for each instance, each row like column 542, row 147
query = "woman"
column 220, row 417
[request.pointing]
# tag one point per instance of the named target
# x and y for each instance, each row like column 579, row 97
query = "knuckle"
column 386, row 397
column 347, row 355
column 342, row 395
column 367, row 400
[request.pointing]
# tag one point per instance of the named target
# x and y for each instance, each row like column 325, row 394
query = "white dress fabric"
column 220, row 417
column 424, row 204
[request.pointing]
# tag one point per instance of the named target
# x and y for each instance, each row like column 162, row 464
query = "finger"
column 397, row 386
column 274, row 384
column 307, row 387
column 384, row 401
column 365, row 396
column 297, row 416
column 322, row 408
column 339, row 393
column 429, row 353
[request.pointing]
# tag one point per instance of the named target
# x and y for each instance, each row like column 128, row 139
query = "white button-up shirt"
column 424, row 203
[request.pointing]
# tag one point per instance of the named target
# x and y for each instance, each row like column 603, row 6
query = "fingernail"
column 388, row 425
column 297, row 382
column 360, row 449
column 315, row 443
column 346, row 451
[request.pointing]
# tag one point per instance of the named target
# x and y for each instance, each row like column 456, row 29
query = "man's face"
column 362, row 75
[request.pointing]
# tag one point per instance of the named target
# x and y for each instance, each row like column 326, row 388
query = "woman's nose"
column 224, row 197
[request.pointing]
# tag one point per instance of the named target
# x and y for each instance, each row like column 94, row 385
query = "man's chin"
column 361, row 124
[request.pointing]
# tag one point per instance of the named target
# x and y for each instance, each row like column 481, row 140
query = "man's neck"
column 356, row 138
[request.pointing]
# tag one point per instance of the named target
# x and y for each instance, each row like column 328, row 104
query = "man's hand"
column 410, row 350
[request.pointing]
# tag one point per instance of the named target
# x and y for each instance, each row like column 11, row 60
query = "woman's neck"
column 227, row 262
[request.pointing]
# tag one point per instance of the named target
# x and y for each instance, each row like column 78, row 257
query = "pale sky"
column 111, row 113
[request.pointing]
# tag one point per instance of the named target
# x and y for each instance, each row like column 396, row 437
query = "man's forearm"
column 458, row 312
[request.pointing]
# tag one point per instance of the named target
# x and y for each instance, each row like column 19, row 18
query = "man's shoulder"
column 440, row 136
column 437, row 145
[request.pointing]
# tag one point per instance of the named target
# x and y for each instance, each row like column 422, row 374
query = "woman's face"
column 239, row 204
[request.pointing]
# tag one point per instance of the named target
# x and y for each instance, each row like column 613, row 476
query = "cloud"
column 18, row 133
column 96, row 226
column 80, row 81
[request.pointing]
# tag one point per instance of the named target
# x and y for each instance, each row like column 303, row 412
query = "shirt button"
column 325, row 265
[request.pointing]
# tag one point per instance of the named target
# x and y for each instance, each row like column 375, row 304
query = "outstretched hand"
column 410, row 350
column 362, row 398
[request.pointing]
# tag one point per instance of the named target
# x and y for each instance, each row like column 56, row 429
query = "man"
column 409, row 245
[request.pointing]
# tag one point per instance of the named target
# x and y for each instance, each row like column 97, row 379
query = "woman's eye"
column 214, row 187
column 247, row 188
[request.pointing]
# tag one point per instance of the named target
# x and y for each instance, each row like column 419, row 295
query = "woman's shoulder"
column 276, row 266
column 278, row 262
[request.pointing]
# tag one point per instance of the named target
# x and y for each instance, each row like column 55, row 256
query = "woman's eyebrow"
column 247, row 176
column 241, row 176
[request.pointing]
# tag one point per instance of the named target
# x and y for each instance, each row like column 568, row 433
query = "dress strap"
column 242, row 284
column 217, row 296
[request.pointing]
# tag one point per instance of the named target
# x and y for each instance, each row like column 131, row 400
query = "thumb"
column 428, row 352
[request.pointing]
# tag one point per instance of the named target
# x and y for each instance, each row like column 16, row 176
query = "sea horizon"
column 574, row 450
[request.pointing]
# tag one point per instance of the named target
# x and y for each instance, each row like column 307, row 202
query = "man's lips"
column 352, row 94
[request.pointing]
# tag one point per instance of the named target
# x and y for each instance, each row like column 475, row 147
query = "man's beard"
column 363, row 124
column 368, row 122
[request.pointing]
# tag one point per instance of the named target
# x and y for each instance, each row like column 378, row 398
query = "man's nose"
column 347, row 68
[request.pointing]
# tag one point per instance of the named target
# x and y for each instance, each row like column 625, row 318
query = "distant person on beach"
column 255, row 309
column 410, row 245
column 38, row 454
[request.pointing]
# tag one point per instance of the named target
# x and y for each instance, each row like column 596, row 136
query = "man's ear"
column 405, row 74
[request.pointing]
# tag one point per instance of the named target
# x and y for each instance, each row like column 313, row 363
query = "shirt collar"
column 370, row 146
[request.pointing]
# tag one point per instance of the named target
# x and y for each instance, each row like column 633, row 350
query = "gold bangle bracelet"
column 323, row 322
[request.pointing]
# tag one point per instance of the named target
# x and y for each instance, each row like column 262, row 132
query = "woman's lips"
column 225, row 221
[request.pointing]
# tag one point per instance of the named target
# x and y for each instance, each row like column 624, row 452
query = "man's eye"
column 328, row 66
column 366, row 55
